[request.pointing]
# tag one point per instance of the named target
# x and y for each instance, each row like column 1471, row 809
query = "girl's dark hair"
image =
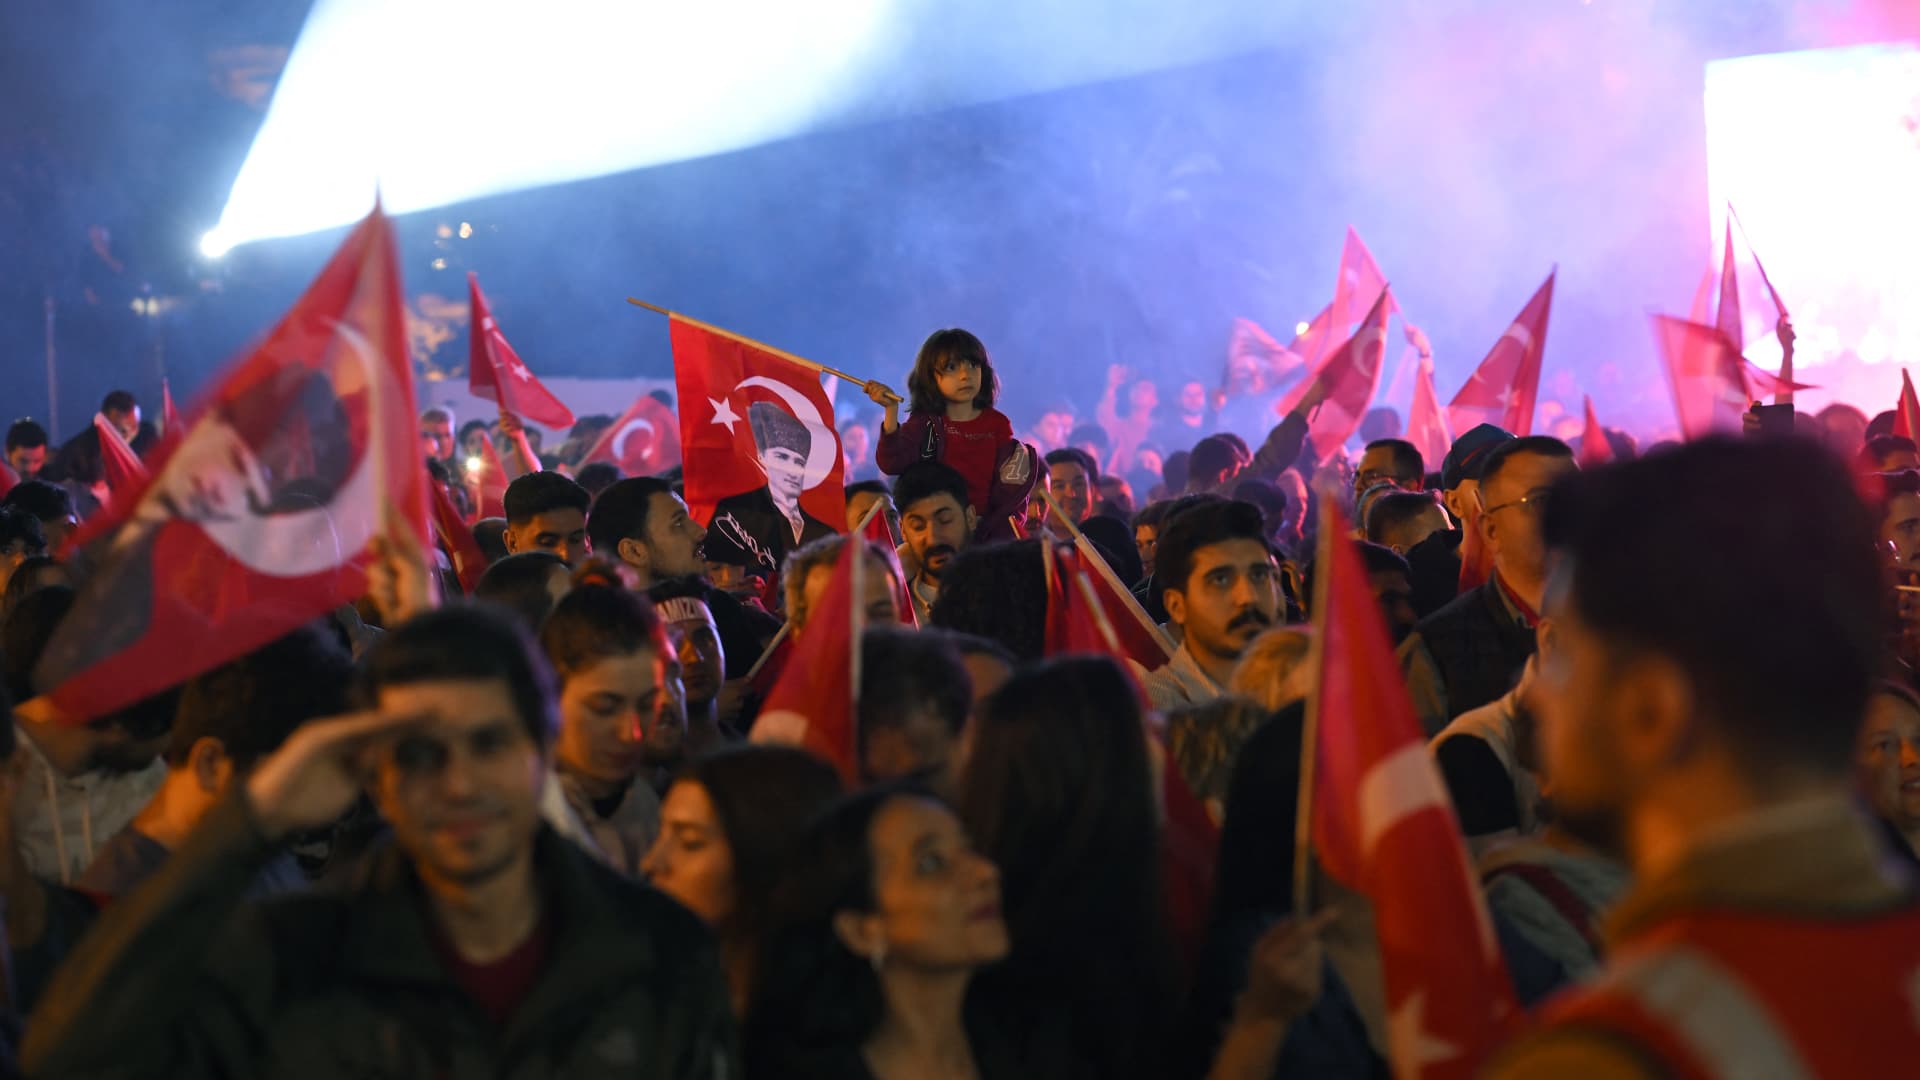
column 1255, row 872
column 1058, row 792
column 594, row 622
column 765, row 797
column 942, row 347
column 814, row 1000
column 998, row 592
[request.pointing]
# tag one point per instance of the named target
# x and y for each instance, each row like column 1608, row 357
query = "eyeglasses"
column 1535, row 501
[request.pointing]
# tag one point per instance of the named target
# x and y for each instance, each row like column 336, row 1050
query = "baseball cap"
column 1469, row 454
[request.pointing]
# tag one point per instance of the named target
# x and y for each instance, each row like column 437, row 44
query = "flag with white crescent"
column 644, row 441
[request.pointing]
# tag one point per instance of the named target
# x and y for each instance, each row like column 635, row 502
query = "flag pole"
column 1100, row 567
column 1310, row 729
column 812, row 365
column 787, row 627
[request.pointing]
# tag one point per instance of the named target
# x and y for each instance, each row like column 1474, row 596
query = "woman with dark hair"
column 886, row 915
column 728, row 826
column 1058, row 791
column 997, row 592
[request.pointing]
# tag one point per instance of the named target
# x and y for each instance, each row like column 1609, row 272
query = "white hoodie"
column 59, row 822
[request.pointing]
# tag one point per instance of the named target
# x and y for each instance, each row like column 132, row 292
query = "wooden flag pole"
column 812, row 365
column 1106, row 572
column 1309, row 732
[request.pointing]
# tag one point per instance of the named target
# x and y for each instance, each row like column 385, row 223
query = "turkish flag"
column 496, row 372
column 815, row 703
column 1594, row 447
column 456, row 536
column 1351, row 375
column 120, row 467
column 1254, row 345
column 1426, row 423
column 1705, row 373
column 260, row 514
column 720, row 379
column 645, row 441
column 489, row 482
column 1728, row 318
column 1382, row 824
column 1358, row 279
column 8, row 478
column 169, row 417
column 1076, row 622
column 880, row 531
column 1503, row 388
column 1906, row 415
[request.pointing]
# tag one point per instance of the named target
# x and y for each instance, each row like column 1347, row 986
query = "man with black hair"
column 26, row 448
column 479, row 943
column 1888, row 453
column 1392, row 586
column 860, row 498
column 1395, row 461
column 1146, row 535
column 597, row 476
column 1471, row 651
column 50, row 504
column 809, row 570
column 1402, row 519
column 757, row 528
column 79, row 458
column 643, row 524
column 937, row 524
column 227, row 720
column 547, row 512
column 915, row 695
column 1221, row 587
column 1704, row 728
column 20, row 539
column 1072, row 475
column 526, row 586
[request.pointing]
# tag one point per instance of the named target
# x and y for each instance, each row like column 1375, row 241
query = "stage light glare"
column 215, row 244
column 1300, row 328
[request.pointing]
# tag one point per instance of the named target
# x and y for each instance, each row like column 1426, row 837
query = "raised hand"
column 317, row 773
column 1283, row 975
column 399, row 579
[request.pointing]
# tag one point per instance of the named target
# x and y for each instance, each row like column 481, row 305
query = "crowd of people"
column 531, row 826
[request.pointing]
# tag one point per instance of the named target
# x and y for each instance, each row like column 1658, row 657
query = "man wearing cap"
column 1472, row 651
column 757, row 528
column 1435, row 562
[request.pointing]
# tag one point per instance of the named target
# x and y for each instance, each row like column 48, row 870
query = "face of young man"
column 695, row 639
column 1072, row 489
column 561, row 531
column 27, row 461
column 1377, row 465
column 936, row 529
column 673, row 537
column 462, row 790
column 1510, row 512
column 882, row 608
column 1901, row 528
column 1231, row 595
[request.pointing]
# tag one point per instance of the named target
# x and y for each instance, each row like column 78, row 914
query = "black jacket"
column 181, row 979
column 747, row 531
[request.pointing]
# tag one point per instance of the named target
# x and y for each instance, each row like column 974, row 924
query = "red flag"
column 1426, row 423
column 720, row 379
column 816, row 701
column 1382, row 824
column 1594, row 447
column 489, row 481
column 1704, row 371
column 1076, row 623
column 1763, row 383
column 1350, row 377
column 879, row 529
column 1906, row 415
column 260, row 515
column 496, row 372
column 8, row 478
column 1358, row 279
column 1503, row 389
column 456, row 537
column 120, row 467
column 1139, row 639
column 1728, row 319
column 645, row 441
column 1252, row 343
column 169, row 418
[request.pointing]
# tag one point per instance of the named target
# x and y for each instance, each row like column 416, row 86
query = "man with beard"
column 1698, row 709
column 757, row 528
column 477, row 943
column 1221, row 586
column 936, row 523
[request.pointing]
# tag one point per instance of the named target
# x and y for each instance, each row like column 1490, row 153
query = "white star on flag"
column 520, row 371
column 1409, row 1044
column 723, row 413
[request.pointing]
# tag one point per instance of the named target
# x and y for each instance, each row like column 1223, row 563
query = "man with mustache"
column 1221, row 587
column 937, row 524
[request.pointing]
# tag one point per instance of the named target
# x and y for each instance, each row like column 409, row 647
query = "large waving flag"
column 1705, row 373
column 645, row 441
column 120, row 467
column 816, row 702
column 456, row 536
column 261, row 513
column 1348, row 380
column 1426, row 425
column 1505, row 385
column 496, row 372
column 1359, row 278
column 1382, row 824
column 1727, row 318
